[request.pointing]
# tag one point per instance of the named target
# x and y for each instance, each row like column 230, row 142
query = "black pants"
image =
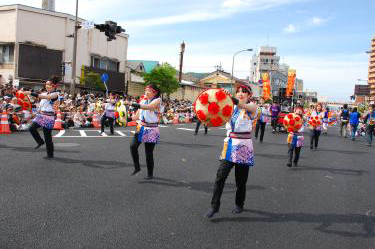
column 241, row 175
column 297, row 151
column 197, row 127
column 149, row 147
column 274, row 123
column 47, row 137
column 262, row 126
column 314, row 138
column 110, row 121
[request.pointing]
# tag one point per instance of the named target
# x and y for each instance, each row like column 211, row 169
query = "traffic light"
column 110, row 29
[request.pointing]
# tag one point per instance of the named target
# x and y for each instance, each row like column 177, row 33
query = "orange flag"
column 266, row 86
column 291, row 79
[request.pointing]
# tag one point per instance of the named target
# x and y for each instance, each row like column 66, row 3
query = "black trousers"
column 274, row 123
column 314, row 138
column 241, row 175
column 47, row 137
column 110, row 121
column 149, row 148
column 262, row 126
column 296, row 151
column 197, row 127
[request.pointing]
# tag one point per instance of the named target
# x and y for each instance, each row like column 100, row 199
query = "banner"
column 291, row 80
column 266, row 86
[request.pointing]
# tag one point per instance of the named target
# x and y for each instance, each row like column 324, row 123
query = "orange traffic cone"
column 4, row 125
column 58, row 122
column 95, row 121
column 175, row 119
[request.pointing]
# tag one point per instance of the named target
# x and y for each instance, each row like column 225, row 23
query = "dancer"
column 147, row 128
column 264, row 113
column 326, row 121
column 316, row 131
column 296, row 141
column 354, row 122
column 109, row 113
column 238, row 150
column 45, row 117
column 369, row 119
column 197, row 128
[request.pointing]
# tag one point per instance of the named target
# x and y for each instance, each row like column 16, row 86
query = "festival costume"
column 315, row 131
column 325, row 121
column 238, row 152
column 45, row 118
column 370, row 120
column 147, row 132
column 296, row 141
column 264, row 114
column 109, row 113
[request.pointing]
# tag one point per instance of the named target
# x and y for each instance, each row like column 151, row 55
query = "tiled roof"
column 149, row 65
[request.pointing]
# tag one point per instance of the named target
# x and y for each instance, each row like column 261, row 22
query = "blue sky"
column 324, row 40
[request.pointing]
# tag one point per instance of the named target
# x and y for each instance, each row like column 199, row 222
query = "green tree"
column 163, row 77
column 92, row 80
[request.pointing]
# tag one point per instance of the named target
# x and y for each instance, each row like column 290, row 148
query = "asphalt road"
column 86, row 198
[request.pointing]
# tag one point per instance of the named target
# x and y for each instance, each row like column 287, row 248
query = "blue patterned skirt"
column 45, row 121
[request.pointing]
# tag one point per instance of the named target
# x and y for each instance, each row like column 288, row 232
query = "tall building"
column 265, row 61
column 371, row 72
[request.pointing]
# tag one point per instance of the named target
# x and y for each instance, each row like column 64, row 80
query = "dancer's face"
column 242, row 95
column 319, row 108
column 150, row 93
column 49, row 87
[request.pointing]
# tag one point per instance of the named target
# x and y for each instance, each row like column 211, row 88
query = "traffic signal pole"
column 74, row 59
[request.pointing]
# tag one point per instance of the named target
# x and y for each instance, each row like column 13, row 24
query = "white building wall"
column 8, row 25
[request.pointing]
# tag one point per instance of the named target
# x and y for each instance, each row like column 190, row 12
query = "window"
column 6, row 53
column 105, row 64
column 95, row 62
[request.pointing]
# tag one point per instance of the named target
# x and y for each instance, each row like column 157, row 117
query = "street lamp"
column 249, row 49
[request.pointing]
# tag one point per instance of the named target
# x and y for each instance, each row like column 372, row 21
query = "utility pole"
column 181, row 60
column 74, row 60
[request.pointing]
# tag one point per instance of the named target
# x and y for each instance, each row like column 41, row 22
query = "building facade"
column 265, row 61
column 37, row 43
column 371, row 72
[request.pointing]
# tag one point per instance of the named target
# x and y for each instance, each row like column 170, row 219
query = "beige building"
column 371, row 72
column 36, row 43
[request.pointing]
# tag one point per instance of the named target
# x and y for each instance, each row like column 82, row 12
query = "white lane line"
column 163, row 126
column 187, row 129
column 120, row 133
column 83, row 133
column 60, row 134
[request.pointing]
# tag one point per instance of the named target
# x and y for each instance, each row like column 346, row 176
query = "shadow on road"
column 350, row 172
column 30, row 149
column 94, row 163
column 325, row 221
column 198, row 146
column 206, row 187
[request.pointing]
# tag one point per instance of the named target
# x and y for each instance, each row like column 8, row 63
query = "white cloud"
column 291, row 28
column 305, row 25
column 234, row 3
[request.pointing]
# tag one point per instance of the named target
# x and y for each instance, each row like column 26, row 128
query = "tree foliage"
column 92, row 80
column 163, row 77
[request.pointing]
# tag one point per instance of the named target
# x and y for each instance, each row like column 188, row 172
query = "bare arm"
column 252, row 107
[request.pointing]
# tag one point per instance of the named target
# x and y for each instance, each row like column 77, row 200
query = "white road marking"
column 83, row 133
column 103, row 134
column 62, row 132
column 188, row 129
column 120, row 133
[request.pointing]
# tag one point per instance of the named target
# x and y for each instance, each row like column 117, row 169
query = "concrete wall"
column 21, row 24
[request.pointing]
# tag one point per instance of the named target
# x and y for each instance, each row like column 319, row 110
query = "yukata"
column 238, row 152
column 315, row 131
column 147, row 132
column 296, row 141
column 45, row 118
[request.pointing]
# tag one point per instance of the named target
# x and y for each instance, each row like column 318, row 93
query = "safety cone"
column 175, row 119
column 95, row 121
column 4, row 125
column 58, row 122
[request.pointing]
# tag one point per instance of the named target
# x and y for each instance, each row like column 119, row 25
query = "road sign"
column 88, row 25
column 104, row 77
